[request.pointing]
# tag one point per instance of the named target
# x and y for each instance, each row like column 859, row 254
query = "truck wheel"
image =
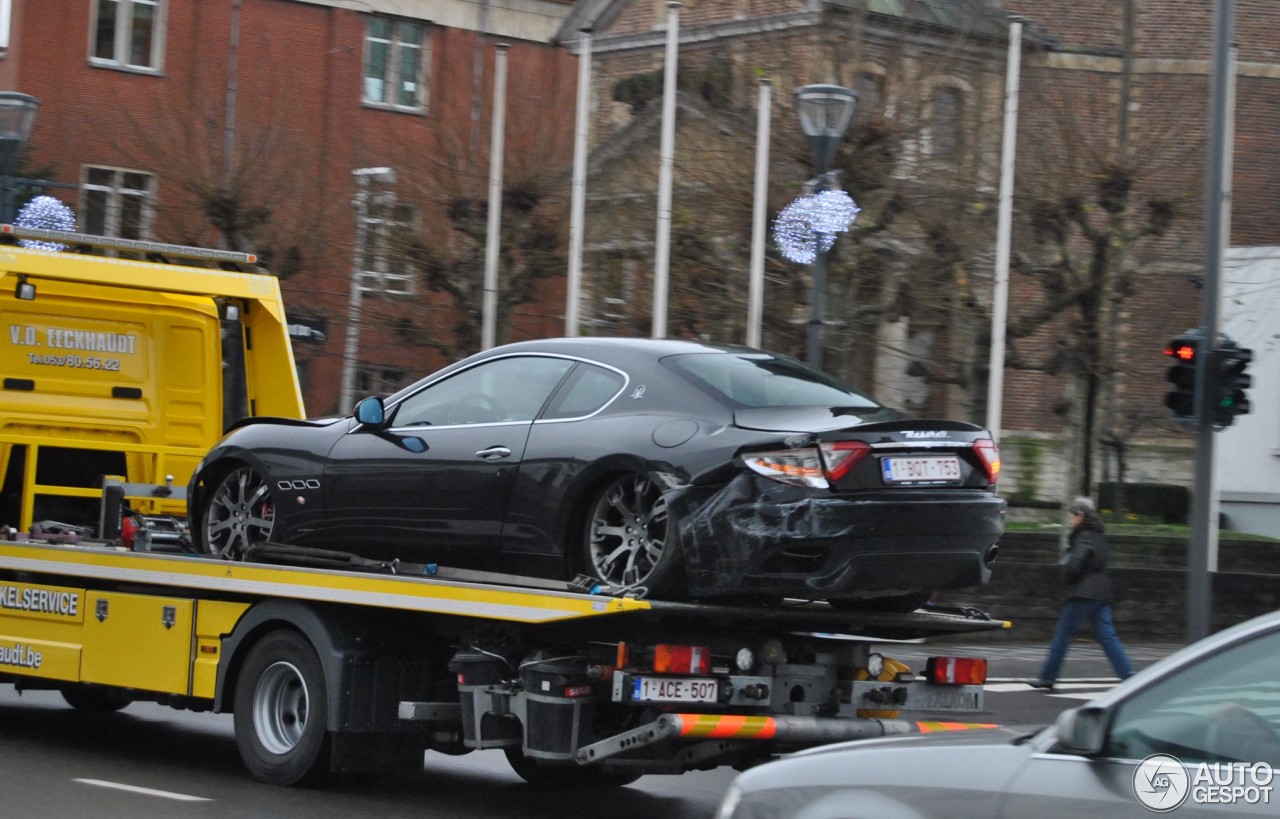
column 95, row 699
column 280, row 711
column 564, row 775
column 629, row 538
column 240, row 513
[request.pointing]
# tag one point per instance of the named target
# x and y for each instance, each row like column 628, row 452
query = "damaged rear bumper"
column 753, row 537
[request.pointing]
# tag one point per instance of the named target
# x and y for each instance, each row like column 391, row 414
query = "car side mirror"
column 1083, row 730
column 371, row 413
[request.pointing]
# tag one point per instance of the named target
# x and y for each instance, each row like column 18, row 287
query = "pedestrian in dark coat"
column 1088, row 587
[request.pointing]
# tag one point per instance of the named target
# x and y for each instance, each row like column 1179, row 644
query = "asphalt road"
column 150, row 762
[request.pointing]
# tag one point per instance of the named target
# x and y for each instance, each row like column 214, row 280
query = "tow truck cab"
column 130, row 365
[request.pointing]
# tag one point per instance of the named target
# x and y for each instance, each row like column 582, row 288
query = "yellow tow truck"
column 129, row 366
column 119, row 375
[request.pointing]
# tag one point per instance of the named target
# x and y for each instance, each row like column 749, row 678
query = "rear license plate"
column 674, row 689
column 921, row 469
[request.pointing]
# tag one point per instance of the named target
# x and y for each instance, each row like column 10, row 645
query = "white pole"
column 1000, row 302
column 755, row 287
column 488, row 329
column 662, row 244
column 363, row 177
column 577, row 206
column 353, row 301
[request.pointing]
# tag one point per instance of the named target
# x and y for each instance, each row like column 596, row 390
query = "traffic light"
column 1181, row 398
column 1228, row 380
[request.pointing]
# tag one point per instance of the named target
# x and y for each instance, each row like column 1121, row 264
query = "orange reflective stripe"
column 727, row 726
column 930, row 727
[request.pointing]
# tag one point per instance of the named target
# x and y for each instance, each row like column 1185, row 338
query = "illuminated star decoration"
column 45, row 213
column 802, row 223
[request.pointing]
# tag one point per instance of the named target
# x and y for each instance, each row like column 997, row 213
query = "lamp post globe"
column 17, row 115
column 825, row 112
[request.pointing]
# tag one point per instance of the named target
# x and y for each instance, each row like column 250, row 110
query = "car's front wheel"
column 239, row 513
column 629, row 538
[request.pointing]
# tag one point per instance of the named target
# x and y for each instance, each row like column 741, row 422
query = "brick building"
column 239, row 123
column 1108, row 202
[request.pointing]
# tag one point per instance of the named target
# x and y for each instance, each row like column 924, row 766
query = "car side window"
column 501, row 390
column 586, row 391
column 1223, row 709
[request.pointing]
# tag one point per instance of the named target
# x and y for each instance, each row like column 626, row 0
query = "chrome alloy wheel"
column 627, row 531
column 239, row 514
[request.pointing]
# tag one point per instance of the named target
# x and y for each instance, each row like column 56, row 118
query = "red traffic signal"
column 1181, row 397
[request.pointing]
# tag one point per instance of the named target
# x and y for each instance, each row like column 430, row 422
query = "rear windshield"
column 751, row 380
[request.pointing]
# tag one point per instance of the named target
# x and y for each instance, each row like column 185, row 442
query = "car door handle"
column 494, row 453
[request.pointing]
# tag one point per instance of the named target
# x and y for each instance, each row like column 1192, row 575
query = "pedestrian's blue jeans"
column 1073, row 615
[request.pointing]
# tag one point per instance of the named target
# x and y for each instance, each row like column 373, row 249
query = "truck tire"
column 628, row 539
column 280, row 711
column 565, row 775
column 240, row 512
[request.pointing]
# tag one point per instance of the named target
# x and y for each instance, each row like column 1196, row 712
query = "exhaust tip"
column 990, row 555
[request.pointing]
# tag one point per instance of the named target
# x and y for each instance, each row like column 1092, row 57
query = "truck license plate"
column 674, row 689
column 921, row 469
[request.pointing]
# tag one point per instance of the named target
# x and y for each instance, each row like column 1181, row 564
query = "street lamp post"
column 364, row 177
column 825, row 112
column 17, row 115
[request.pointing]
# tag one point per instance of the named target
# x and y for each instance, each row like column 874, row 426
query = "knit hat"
column 1081, row 506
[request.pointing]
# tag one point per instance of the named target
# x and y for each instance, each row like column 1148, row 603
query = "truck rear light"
column 956, row 670
column 990, row 455
column 817, row 467
column 674, row 659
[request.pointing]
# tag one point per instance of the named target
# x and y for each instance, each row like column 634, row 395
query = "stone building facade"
column 1109, row 188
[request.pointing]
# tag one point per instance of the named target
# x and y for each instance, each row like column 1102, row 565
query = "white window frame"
column 116, row 194
column 121, row 50
column 382, row 272
column 391, row 81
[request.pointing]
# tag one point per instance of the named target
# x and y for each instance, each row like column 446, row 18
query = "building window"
column 395, row 63
column 870, row 88
column 375, row 380
column 946, row 117
column 128, row 33
column 381, row 267
column 117, row 202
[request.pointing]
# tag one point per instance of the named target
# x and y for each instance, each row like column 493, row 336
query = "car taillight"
column 956, row 670
column 817, row 467
column 841, row 456
column 990, row 455
column 675, row 659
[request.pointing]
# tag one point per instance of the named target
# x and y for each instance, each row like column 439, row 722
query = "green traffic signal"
column 1228, row 380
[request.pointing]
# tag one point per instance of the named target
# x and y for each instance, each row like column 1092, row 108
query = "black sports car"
column 680, row 468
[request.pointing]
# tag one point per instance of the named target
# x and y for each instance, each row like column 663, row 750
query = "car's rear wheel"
column 629, row 538
column 239, row 513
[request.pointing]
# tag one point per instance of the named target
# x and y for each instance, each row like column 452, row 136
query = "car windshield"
column 1220, row 710
column 750, row 380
